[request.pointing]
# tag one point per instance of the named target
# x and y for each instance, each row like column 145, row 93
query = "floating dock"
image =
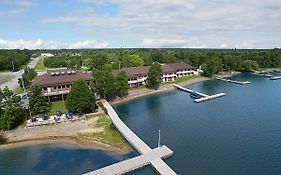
column 203, row 97
column 148, row 155
column 232, row 81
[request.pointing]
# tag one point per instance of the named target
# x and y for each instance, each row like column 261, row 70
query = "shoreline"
column 137, row 93
column 68, row 140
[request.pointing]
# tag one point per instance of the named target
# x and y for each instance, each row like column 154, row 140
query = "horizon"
column 111, row 24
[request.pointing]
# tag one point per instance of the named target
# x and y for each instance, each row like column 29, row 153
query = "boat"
column 195, row 95
column 275, row 77
column 268, row 75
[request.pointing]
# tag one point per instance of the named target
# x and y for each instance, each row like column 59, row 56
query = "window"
column 44, row 88
column 59, row 87
column 67, row 86
column 55, row 87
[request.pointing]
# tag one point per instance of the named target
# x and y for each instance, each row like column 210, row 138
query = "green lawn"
column 19, row 90
column 40, row 65
column 109, row 135
column 57, row 105
column 182, row 79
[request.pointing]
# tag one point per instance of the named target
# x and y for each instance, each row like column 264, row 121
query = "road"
column 13, row 83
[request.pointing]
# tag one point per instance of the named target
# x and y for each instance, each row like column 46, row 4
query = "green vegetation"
column 19, row 90
column 80, row 98
column 14, row 59
column 12, row 112
column 109, row 86
column 63, row 61
column 57, row 105
column 38, row 103
column 27, row 77
column 108, row 134
column 40, row 65
column 154, row 76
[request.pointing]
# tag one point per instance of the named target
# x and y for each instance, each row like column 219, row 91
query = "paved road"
column 13, row 83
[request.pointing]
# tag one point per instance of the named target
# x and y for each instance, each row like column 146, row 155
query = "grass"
column 182, row 79
column 40, row 65
column 109, row 135
column 19, row 90
column 57, row 105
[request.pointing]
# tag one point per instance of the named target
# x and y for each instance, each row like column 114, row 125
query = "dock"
column 147, row 155
column 232, row 81
column 134, row 163
column 204, row 96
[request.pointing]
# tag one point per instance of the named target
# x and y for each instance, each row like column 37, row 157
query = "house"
column 137, row 75
column 56, row 84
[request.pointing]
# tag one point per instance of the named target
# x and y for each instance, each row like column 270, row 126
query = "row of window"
column 58, row 87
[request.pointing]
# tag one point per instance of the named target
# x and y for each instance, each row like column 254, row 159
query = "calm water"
column 236, row 134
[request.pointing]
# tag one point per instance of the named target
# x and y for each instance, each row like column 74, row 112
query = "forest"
column 211, row 60
column 18, row 58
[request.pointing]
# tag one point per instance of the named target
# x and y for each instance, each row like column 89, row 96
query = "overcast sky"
column 54, row 24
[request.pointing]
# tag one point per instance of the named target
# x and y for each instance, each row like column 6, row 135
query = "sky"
column 71, row 24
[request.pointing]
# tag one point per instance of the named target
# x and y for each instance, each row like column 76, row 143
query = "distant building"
column 137, row 75
column 56, row 84
column 46, row 55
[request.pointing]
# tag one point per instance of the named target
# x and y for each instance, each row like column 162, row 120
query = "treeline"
column 230, row 59
column 63, row 61
column 18, row 58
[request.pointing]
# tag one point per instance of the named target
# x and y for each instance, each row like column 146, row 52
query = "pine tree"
column 80, row 98
column 122, row 84
column 38, row 103
column 154, row 76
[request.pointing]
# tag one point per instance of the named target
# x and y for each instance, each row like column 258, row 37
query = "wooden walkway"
column 204, row 96
column 136, row 162
column 148, row 156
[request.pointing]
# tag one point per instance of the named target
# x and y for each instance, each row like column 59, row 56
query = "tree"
column 38, row 103
column 122, row 84
column 212, row 66
column 104, row 82
column 154, row 76
column 11, row 111
column 80, row 98
column 27, row 77
column 135, row 60
column 248, row 65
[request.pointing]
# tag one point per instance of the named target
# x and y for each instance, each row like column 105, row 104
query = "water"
column 236, row 134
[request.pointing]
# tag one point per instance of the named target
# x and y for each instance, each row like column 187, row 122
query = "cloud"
column 41, row 44
column 87, row 44
column 25, row 3
column 163, row 43
column 198, row 21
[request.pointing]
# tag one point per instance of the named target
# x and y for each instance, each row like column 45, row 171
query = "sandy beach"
column 63, row 133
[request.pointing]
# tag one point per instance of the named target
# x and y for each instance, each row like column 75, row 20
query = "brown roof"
column 50, row 80
column 166, row 68
column 179, row 66
column 133, row 72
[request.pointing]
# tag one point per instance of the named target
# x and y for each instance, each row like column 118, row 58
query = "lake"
column 236, row 134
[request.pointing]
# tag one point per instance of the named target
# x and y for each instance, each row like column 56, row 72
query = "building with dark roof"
column 57, row 83
column 137, row 75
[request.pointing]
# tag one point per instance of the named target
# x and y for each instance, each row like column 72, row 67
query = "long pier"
column 148, row 155
column 204, row 96
column 232, row 81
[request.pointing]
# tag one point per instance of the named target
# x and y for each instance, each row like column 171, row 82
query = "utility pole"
column 13, row 65
column 159, row 138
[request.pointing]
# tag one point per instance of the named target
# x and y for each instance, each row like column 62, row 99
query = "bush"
column 3, row 139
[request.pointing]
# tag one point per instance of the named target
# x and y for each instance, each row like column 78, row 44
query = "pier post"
column 159, row 138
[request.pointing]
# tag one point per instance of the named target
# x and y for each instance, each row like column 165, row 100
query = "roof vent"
column 57, row 73
column 73, row 72
column 52, row 73
column 62, row 72
column 68, row 72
